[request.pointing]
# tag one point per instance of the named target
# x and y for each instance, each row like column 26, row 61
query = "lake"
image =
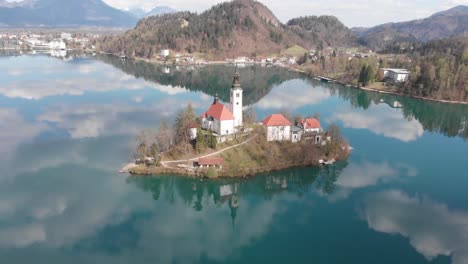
column 67, row 125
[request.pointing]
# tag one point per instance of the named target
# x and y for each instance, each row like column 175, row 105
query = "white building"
column 278, row 128
column 58, row 45
column 236, row 101
column 396, row 75
column 193, row 131
column 218, row 119
column 165, row 53
column 66, row 36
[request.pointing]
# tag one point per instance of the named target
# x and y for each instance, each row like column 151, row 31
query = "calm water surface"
column 66, row 127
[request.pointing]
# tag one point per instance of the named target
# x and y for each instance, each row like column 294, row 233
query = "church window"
column 237, row 95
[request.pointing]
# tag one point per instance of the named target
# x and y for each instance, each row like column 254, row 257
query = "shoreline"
column 252, row 172
column 248, row 159
column 349, row 85
column 383, row 91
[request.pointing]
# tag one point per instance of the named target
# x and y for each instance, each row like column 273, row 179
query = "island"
column 229, row 142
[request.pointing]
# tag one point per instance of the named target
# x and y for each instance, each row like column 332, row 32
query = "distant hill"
column 445, row 24
column 161, row 10
column 158, row 10
column 60, row 13
column 240, row 27
column 323, row 30
column 230, row 29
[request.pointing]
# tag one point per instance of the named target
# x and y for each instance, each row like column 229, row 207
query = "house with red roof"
column 218, row 119
column 308, row 129
column 278, row 128
column 210, row 162
column 310, row 125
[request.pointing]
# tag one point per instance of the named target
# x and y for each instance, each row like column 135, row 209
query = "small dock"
column 327, row 162
column 324, row 79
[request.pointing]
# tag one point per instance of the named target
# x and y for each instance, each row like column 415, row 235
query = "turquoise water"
column 67, row 126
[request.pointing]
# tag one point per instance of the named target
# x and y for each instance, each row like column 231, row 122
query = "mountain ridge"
column 58, row 13
column 156, row 11
column 229, row 29
column 441, row 25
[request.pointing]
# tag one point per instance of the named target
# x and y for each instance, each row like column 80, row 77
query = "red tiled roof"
column 219, row 112
column 211, row 161
column 310, row 123
column 276, row 120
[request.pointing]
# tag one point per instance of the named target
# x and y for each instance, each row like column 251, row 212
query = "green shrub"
column 212, row 173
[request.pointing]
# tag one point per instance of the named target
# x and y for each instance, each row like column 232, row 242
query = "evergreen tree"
column 370, row 75
column 363, row 75
column 201, row 141
column 212, row 140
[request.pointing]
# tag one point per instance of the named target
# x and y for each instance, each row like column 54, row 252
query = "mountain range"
column 445, row 24
column 156, row 11
column 239, row 27
column 62, row 13
column 246, row 26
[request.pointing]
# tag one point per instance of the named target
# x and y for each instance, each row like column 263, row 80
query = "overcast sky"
column 352, row 13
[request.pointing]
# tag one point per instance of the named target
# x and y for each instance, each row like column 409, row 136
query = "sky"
column 353, row 13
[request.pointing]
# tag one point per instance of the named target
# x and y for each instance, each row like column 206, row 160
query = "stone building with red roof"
column 278, row 128
column 218, row 119
column 310, row 125
column 222, row 120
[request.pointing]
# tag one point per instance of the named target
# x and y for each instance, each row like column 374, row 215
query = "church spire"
column 236, row 81
column 236, row 99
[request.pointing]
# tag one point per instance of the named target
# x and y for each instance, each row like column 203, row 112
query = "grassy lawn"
column 294, row 51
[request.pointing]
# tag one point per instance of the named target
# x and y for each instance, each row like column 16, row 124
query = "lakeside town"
column 61, row 44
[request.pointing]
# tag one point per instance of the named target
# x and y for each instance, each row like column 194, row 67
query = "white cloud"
column 431, row 227
column 381, row 120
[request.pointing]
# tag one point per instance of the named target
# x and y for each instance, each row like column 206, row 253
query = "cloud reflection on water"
column 368, row 174
column 432, row 228
column 292, row 95
column 381, row 120
column 75, row 80
column 72, row 214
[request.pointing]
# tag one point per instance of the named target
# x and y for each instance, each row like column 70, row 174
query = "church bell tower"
column 236, row 100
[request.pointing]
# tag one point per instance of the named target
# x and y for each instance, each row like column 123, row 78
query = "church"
column 224, row 121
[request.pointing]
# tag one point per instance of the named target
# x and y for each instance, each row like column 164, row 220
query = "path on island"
column 165, row 163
